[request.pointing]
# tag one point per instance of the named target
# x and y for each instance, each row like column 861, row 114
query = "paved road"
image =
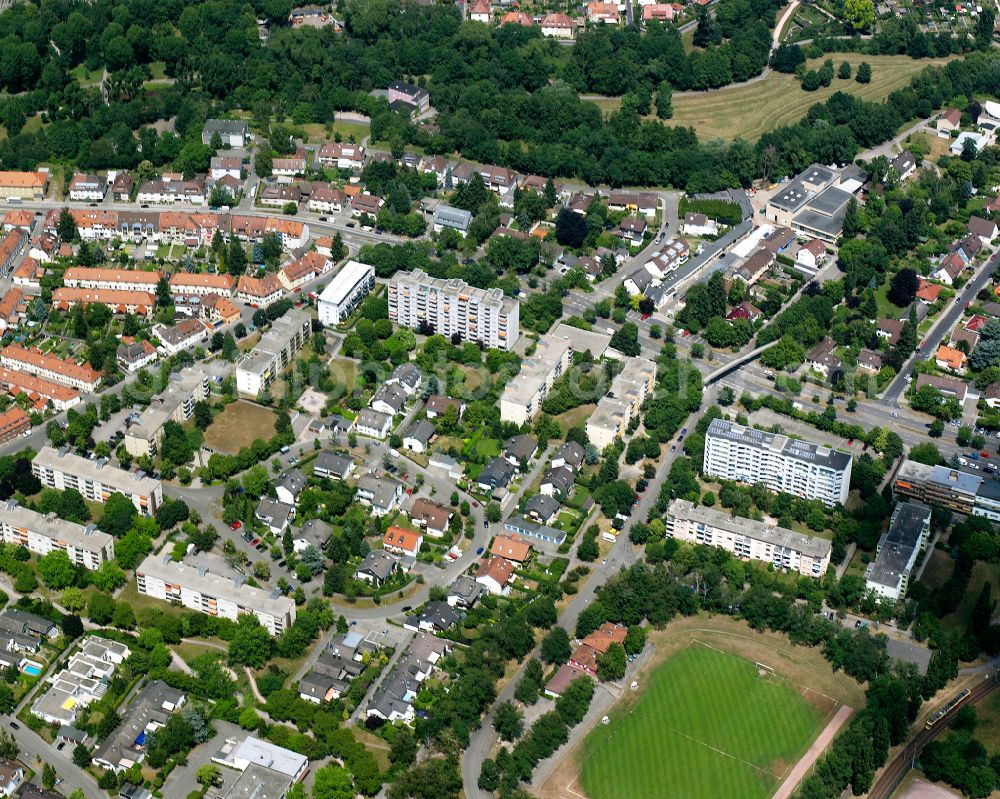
column 36, row 751
column 945, row 322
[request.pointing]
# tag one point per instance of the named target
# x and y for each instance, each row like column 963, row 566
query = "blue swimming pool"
column 32, row 670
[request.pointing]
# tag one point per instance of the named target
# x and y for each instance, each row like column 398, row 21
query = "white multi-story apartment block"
column 42, row 534
column 746, row 455
column 898, row 550
column 349, row 286
column 615, row 412
column 748, row 538
column 522, row 396
column 273, row 353
column 198, row 589
column 175, row 404
column 96, row 480
column 453, row 307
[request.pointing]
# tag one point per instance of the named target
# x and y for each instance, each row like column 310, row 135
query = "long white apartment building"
column 161, row 577
column 522, row 397
column 745, row 455
column 44, row 533
column 96, row 480
column 341, row 296
column 615, row 412
column 451, row 306
column 748, row 538
column 176, row 404
column 273, row 353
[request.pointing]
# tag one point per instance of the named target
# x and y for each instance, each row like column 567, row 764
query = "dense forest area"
column 504, row 95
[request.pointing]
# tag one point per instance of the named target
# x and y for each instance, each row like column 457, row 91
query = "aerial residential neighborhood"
column 491, row 400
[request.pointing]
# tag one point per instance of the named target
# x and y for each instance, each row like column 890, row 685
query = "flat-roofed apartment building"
column 522, row 397
column 83, row 680
column 451, row 306
column 898, row 549
column 748, row 538
column 48, row 367
column 83, row 277
column 44, row 533
column 175, row 404
column 96, row 480
column 273, row 353
column 615, row 411
column 161, row 577
column 341, row 296
column 939, row 485
column 745, row 455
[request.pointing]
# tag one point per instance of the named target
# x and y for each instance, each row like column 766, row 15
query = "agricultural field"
column 708, row 725
column 777, row 99
column 239, row 424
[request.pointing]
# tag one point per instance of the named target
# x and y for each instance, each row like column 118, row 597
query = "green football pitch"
column 706, row 725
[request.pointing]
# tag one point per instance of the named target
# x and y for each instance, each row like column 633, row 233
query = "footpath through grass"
column 707, row 725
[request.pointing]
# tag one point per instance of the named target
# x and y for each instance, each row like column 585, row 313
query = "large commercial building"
column 522, row 397
column 96, row 480
column 273, row 353
column 175, row 404
column 349, row 287
column 953, row 489
column 453, row 307
column 748, row 538
column 815, row 202
column 909, row 531
column 746, row 455
column 615, row 412
column 49, row 367
column 213, row 594
column 42, row 534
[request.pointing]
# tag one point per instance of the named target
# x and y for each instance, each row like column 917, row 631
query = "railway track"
column 902, row 762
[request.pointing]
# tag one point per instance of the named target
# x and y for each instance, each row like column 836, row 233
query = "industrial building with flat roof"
column 522, row 396
column 815, row 202
column 746, row 455
column 748, row 538
column 273, row 353
column 450, row 306
column 44, row 533
column 909, row 531
column 212, row 594
column 96, row 480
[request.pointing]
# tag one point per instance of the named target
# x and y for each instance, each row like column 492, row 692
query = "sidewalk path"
column 787, row 788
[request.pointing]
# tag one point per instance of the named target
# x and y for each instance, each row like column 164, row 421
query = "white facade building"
column 898, row 550
column 748, row 538
column 341, row 296
column 212, row 594
column 273, row 353
column 453, row 307
column 42, row 534
column 522, row 396
column 746, row 455
column 96, row 480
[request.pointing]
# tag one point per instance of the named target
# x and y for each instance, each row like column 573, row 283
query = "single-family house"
column 376, row 567
column 289, row 486
column 985, row 229
column 571, row 455
column 496, row 474
column 512, row 547
column 699, row 225
column 432, row 517
column 400, row 541
column 519, row 449
column 557, row 482
column 373, row 423
column 541, row 508
column 464, row 592
column 950, row 358
column 811, row 256
column 438, row 404
column 418, row 435
column 275, row 515
column 495, row 575
column 948, row 122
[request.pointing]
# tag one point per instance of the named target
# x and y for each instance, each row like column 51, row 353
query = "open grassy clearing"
column 752, row 110
column 239, row 424
column 708, row 724
column 317, row 132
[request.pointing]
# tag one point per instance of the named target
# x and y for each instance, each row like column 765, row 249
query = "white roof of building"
column 269, row 755
column 339, row 289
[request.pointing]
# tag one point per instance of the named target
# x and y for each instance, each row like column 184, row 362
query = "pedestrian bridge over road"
column 736, row 363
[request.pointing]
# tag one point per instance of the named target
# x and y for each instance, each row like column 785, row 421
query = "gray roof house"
column 376, row 567
column 275, row 514
column 152, row 706
column 557, row 481
column 570, row 454
column 289, row 486
column 418, row 435
column 314, row 532
column 373, row 423
column 329, row 464
column 435, row 616
column 233, row 132
column 519, row 448
column 464, row 592
column 446, row 216
column 541, row 508
column 390, row 399
column 381, row 493
column 407, row 376
column 497, row 473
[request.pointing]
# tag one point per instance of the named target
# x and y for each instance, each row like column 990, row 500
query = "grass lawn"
column 707, row 724
column 483, row 445
column 238, row 425
column 317, row 132
column 988, row 729
column 575, row 417
column 779, row 100
column 83, row 77
column 344, row 372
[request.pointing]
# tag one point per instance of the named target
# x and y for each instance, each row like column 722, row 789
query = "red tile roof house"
column 558, row 26
column 976, row 321
column 744, row 310
column 584, row 658
column 948, row 271
column 401, row 541
column 928, row 293
column 366, row 204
